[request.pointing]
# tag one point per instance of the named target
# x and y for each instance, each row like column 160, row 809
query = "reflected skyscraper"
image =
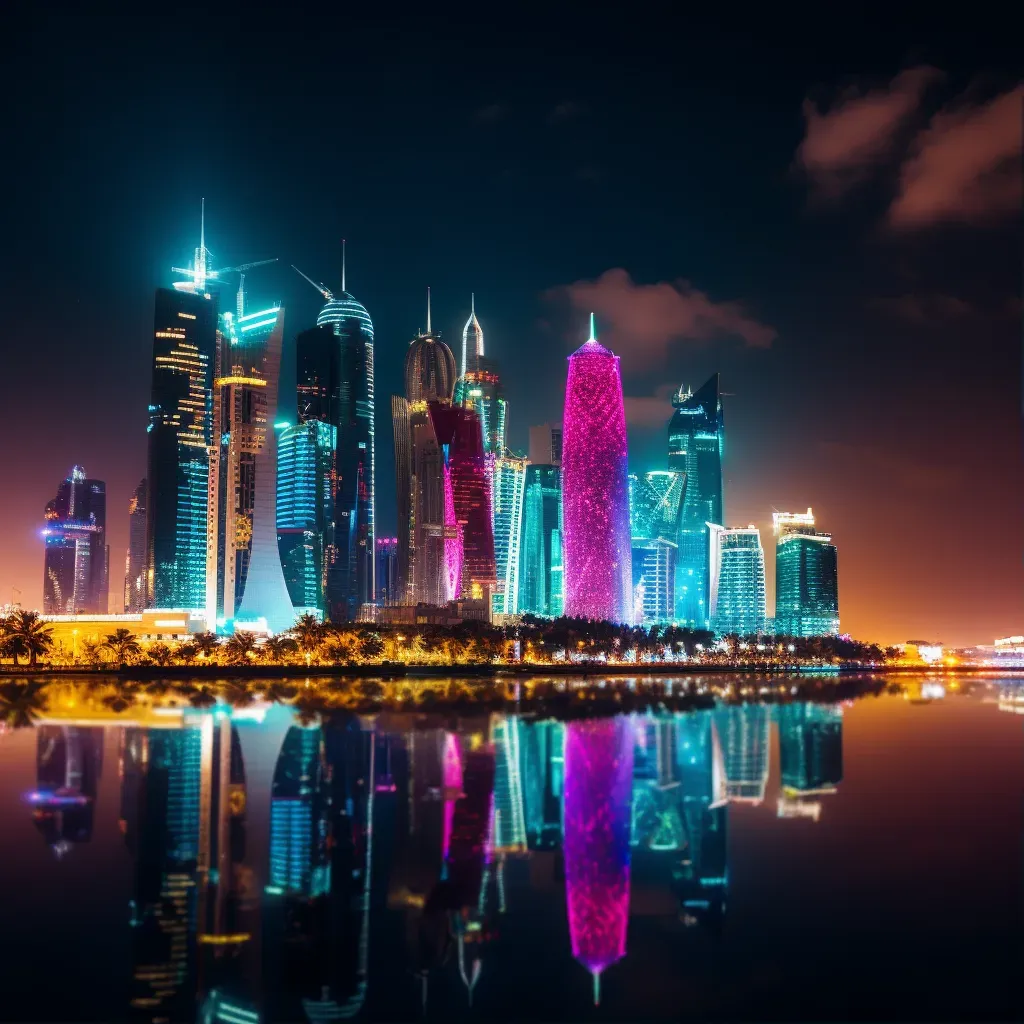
column 508, row 831
column 744, row 733
column 77, row 558
column 810, row 749
column 69, row 762
column 135, row 560
column 542, row 746
column 696, row 437
column 598, row 787
column 737, row 589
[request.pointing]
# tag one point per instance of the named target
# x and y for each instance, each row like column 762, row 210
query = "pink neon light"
column 452, row 775
column 595, row 489
column 453, row 541
column 598, row 793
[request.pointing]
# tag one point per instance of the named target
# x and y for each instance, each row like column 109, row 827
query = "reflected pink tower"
column 595, row 488
column 598, row 794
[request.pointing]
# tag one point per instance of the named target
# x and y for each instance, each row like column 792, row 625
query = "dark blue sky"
column 513, row 157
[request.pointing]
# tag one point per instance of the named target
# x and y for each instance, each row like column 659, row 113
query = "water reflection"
column 259, row 893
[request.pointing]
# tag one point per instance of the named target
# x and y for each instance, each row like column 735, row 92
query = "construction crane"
column 240, row 271
column 321, row 288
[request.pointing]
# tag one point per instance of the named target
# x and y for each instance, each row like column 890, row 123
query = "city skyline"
column 841, row 318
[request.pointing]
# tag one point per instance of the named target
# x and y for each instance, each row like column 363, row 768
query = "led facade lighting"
column 595, row 488
column 509, row 487
column 736, row 579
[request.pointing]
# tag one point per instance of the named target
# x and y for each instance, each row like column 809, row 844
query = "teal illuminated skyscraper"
column 540, row 562
column 736, row 577
column 508, row 483
column 479, row 386
column 655, row 508
column 695, row 443
column 806, row 578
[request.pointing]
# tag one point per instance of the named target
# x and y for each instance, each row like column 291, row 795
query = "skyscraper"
column 387, row 571
column 736, row 577
column 654, row 580
column 595, row 488
column 76, row 559
column 806, row 578
column 540, row 570
column 305, row 509
column 135, row 560
column 509, row 486
column 457, row 430
column 180, row 434
column 745, row 732
column 655, row 509
column 696, row 436
column 546, row 444
column 265, row 599
column 479, row 386
column 346, row 374
column 810, row 748
column 656, row 504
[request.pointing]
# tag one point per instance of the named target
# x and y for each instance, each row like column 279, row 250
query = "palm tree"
column 91, row 652
column 123, row 645
column 21, row 703
column 275, row 649
column 160, row 653
column 309, row 632
column 236, row 693
column 240, row 648
column 371, row 647
column 187, row 652
column 207, row 644
column 29, row 634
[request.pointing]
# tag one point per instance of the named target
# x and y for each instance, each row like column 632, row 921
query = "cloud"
column 964, row 167
column 925, row 309
column 858, row 131
column 639, row 321
column 650, row 411
column 565, row 111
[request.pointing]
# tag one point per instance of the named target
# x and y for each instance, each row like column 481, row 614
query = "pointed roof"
column 592, row 347
column 472, row 339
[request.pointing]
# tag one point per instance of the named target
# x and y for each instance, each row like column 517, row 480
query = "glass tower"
column 744, row 731
column 180, row 434
column 806, row 578
column 540, row 560
column 654, row 580
column 595, row 488
column 736, row 574
column 509, row 486
column 76, row 562
column 656, row 504
column 695, row 444
column 305, row 509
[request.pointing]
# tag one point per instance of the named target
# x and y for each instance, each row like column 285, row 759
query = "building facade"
column 180, row 434
column 546, row 444
column 135, row 560
column 654, row 580
column 736, row 574
column 388, row 590
column 806, row 578
column 508, row 479
column 76, row 560
column 656, row 504
column 541, row 590
column 696, row 437
column 595, row 488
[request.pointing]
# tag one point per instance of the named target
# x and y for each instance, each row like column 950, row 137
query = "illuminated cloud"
column 650, row 411
column 964, row 167
column 861, row 129
column 639, row 321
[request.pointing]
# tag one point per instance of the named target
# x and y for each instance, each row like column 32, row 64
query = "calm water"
column 805, row 861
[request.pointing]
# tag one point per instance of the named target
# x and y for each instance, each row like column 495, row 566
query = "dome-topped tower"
column 346, row 314
column 429, row 367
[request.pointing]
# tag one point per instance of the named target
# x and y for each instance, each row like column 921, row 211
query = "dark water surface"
column 799, row 861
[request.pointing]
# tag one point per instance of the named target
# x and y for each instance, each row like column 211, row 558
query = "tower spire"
column 428, row 309
column 343, row 264
column 472, row 303
column 593, row 333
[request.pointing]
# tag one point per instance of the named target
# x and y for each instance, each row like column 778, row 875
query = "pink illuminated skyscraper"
column 595, row 487
column 598, row 800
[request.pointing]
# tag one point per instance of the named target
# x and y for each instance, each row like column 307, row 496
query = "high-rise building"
column 597, row 815
column 595, row 488
column 696, row 436
column 736, row 577
column 508, row 479
column 77, row 559
column 479, row 386
column 336, row 384
column 305, row 509
column 744, row 731
column 540, row 563
column 546, row 444
column 135, row 560
column 810, row 748
column 180, row 435
column 654, row 580
column 388, row 591
column 542, row 751
column 239, row 433
column 265, row 603
column 806, row 577
column 457, row 431
column 656, row 504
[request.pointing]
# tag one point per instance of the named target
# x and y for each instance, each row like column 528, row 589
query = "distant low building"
column 152, row 624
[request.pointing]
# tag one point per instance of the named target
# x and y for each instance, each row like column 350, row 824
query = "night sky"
column 831, row 221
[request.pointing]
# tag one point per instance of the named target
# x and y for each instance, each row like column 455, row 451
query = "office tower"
column 419, row 468
column 654, row 580
column 744, row 732
column 135, row 560
column 656, row 504
column 597, row 810
column 180, row 434
column 305, row 509
column 546, row 444
column 595, row 488
column 239, row 433
column 540, row 569
column 388, row 591
column 508, row 829
column 336, row 384
column 696, row 436
column 736, row 577
column 479, row 386
column 76, row 556
column 810, row 748
column 508, row 480
column 457, row 432
column 265, row 602
column 806, row 577
column 542, row 749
